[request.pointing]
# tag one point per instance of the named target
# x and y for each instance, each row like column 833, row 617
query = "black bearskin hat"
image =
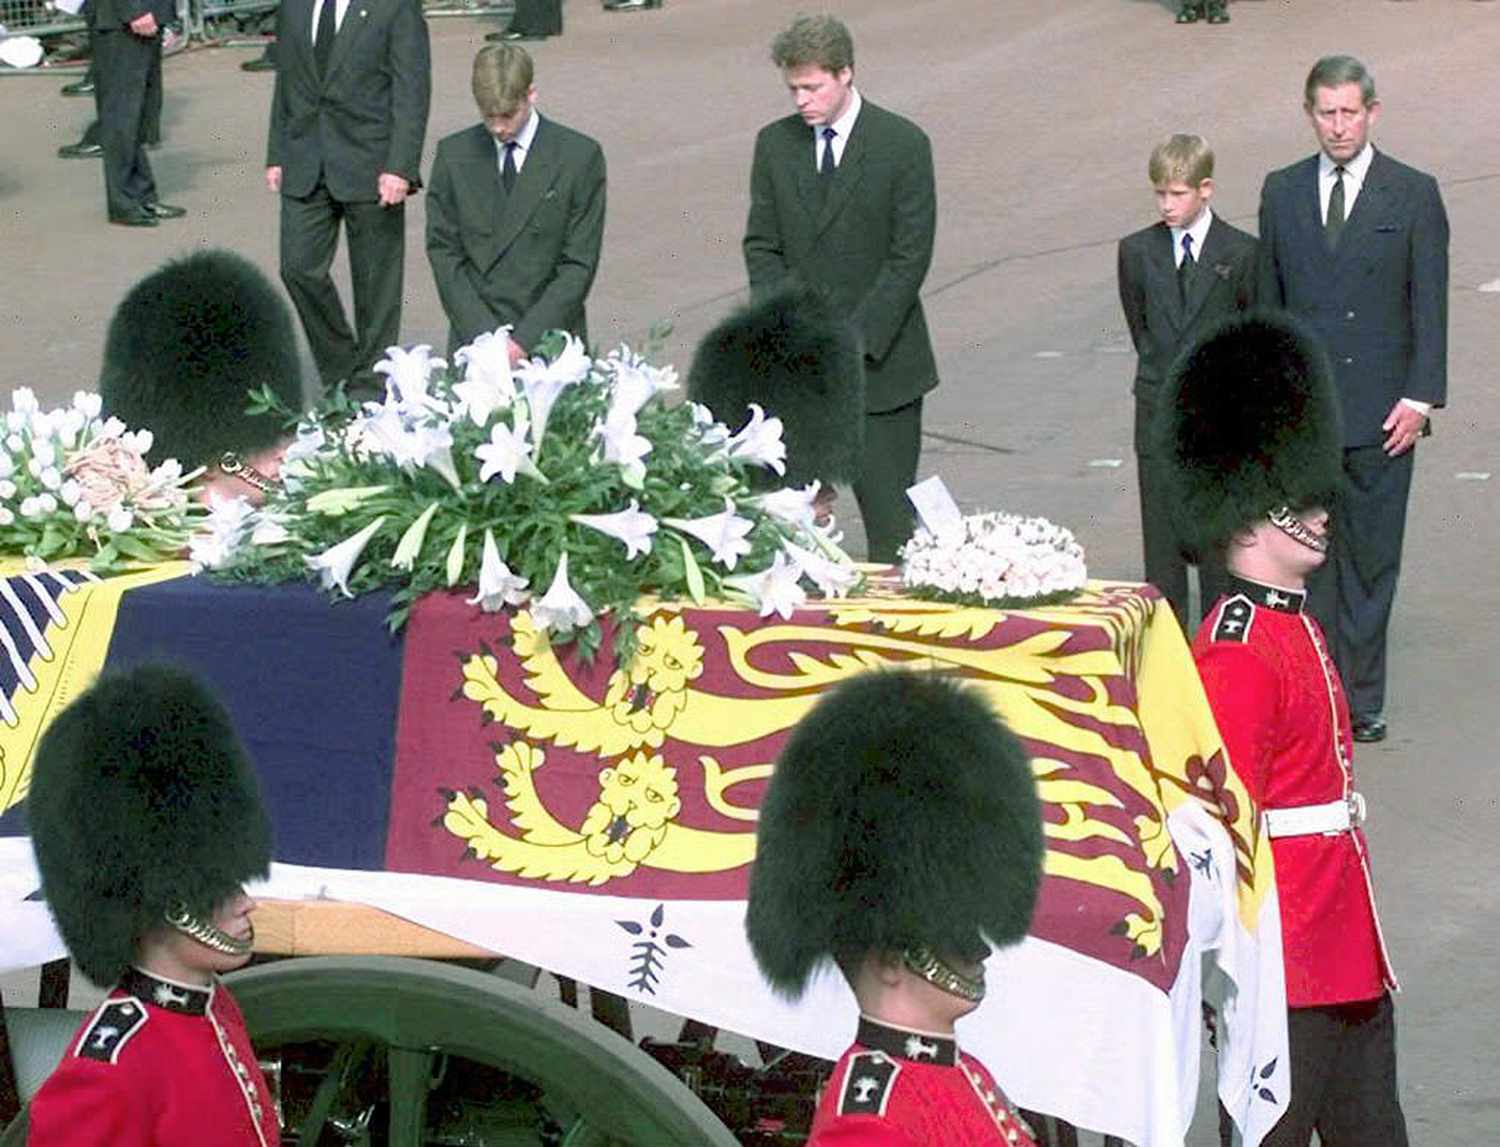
column 184, row 348
column 799, row 360
column 141, row 796
column 1249, row 422
column 902, row 812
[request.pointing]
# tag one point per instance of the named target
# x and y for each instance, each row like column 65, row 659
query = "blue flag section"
column 313, row 690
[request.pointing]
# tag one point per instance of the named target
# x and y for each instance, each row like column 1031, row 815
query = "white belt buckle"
column 1357, row 810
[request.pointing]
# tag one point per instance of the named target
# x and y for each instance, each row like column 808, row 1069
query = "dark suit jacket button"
column 1347, row 360
column 1349, row 315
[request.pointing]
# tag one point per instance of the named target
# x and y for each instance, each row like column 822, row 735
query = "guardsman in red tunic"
column 1252, row 429
column 899, row 837
column 146, row 820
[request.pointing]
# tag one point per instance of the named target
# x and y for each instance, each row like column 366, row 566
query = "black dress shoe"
column 140, row 217
column 164, row 210
column 80, row 151
column 1368, row 730
column 83, row 87
column 1218, row 13
column 513, row 37
column 259, row 64
column 630, row 5
column 1188, row 14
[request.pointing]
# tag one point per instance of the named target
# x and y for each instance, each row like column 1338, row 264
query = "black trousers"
column 1343, row 1078
column 1352, row 595
column 537, row 18
column 377, row 257
column 1165, row 561
column 126, row 69
column 893, row 442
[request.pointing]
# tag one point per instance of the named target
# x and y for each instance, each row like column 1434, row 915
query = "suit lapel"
column 356, row 17
column 1205, row 277
column 1367, row 208
column 532, row 182
column 851, row 170
column 1163, row 269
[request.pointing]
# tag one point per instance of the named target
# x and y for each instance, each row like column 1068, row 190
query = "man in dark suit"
column 842, row 199
column 1357, row 244
column 515, row 213
column 1178, row 279
column 126, row 38
column 345, row 145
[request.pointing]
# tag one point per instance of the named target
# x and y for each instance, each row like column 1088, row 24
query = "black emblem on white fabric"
column 648, row 953
column 868, row 1084
column 1258, row 1080
column 1234, row 619
column 113, row 1025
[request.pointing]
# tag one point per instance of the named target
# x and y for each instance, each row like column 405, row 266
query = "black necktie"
column 323, row 39
column 508, row 168
column 1335, row 224
column 1186, row 268
column 826, row 164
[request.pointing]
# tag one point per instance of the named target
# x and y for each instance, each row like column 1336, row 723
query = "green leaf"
column 132, row 547
column 693, row 574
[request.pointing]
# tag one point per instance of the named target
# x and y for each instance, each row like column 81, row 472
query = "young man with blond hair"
column 1178, row 278
column 842, row 200
column 515, row 213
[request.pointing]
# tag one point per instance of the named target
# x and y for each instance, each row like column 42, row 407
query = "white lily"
column 725, row 534
column 411, row 541
column 269, row 530
column 792, row 505
column 487, row 385
column 711, row 432
column 221, row 533
column 632, row 526
column 560, row 608
column 544, row 381
column 832, row 578
column 776, row 589
column 635, row 382
column 455, row 562
column 625, row 447
column 335, row 564
column 508, row 453
column 498, row 586
column 759, row 442
column 408, row 374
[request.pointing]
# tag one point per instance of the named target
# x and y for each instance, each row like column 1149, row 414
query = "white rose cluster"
column 995, row 558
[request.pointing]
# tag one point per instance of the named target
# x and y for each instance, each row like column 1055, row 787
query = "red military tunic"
column 899, row 1088
column 160, row 1064
column 1282, row 713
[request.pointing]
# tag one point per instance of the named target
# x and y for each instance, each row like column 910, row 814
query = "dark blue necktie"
column 323, row 40
column 1186, row 267
column 1335, row 222
column 508, row 168
column 826, row 165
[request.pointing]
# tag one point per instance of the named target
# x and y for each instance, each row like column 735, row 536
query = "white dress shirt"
column 1354, row 180
column 842, row 127
column 523, row 142
column 1199, row 232
column 339, row 8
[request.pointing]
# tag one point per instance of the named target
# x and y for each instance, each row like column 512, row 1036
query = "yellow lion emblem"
column 636, row 800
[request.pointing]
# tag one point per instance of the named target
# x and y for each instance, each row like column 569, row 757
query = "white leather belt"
column 1316, row 819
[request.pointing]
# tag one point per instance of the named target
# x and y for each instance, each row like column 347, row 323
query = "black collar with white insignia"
column 1270, row 596
column 167, row 994
column 915, row 1046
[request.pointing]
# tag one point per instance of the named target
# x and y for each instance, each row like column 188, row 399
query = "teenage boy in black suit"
column 1178, row 279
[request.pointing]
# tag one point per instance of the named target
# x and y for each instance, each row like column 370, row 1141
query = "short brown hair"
column 1181, row 157
column 502, row 78
column 1335, row 72
column 818, row 41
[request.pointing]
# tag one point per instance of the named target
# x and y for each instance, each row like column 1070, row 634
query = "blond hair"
column 1180, row 157
column 502, row 78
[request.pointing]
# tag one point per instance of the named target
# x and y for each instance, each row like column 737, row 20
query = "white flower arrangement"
column 995, row 559
column 74, row 484
column 569, row 486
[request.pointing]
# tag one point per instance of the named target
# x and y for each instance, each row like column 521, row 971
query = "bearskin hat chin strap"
column 926, row 963
column 208, row 934
column 1296, row 529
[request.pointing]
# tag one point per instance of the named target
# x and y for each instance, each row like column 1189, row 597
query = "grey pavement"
column 1042, row 113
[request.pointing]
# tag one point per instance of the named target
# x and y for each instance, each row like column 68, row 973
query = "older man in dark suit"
column 1178, row 278
column 1357, row 244
column 348, row 118
column 515, row 213
column 126, row 39
column 842, row 199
